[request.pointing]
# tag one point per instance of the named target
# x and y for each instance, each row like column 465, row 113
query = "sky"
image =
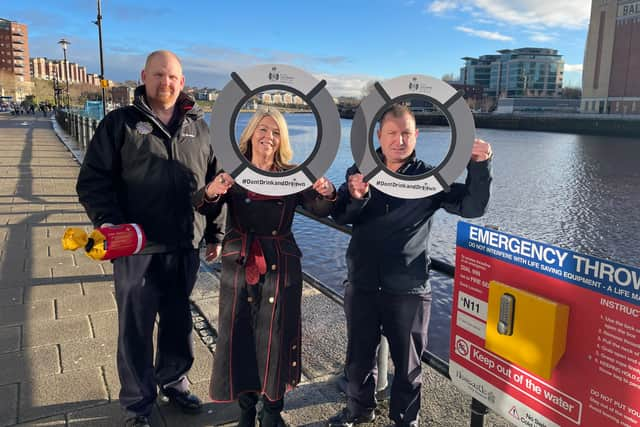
column 349, row 43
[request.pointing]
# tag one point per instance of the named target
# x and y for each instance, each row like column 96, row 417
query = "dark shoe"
column 266, row 419
column 187, row 402
column 247, row 418
column 137, row 421
column 346, row 419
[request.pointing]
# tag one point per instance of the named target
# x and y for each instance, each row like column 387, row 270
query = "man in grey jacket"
column 142, row 166
column 388, row 268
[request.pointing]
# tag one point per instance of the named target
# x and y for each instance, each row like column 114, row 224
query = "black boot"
column 247, row 403
column 269, row 415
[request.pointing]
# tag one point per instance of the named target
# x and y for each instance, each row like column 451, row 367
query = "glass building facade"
column 536, row 72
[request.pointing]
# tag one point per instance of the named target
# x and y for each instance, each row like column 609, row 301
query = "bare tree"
column 43, row 91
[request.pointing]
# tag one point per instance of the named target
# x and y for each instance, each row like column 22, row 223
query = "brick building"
column 610, row 82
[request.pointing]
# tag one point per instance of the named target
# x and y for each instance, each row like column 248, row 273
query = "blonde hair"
column 284, row 154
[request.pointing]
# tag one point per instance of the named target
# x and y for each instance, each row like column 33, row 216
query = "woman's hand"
column 219, row 185
column 324, row 187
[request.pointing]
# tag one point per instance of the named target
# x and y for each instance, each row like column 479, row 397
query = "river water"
column 579, row 192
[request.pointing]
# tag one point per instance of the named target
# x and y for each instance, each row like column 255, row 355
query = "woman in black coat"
column 258, row 348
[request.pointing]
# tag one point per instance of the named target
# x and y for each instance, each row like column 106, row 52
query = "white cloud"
column 548, row 13
column 484, row 34
column 573, row 14
column 573, row 68
column 441, row 6
column 541, row 37
column 346, row 84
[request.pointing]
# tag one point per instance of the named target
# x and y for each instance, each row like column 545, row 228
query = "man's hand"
column 481, row 150
column 212, row 251
column 357, row 187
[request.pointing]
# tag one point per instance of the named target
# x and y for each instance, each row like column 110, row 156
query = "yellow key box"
column 526, row 329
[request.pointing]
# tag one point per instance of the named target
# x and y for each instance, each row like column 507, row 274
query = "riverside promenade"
column 58, row 324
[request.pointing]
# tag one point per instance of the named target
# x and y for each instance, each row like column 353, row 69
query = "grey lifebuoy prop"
column 394, row 90
column 238, row 91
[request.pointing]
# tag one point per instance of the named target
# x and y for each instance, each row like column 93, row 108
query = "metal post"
column 478, row 411
column 74, row 117
column 55, row 91
column 85, row 132
column 383, row 369
column 90, row 129
column 65, row 43
column 98, row 22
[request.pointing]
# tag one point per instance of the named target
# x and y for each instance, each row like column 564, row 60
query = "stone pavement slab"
column 84, row 304
column 16, row 367
column 60, row 393
column 51, row 292
column 10, row 339
column 9, row 405
column 11, row 296
column 20, row 313
column 56, row 331
column 88, row 353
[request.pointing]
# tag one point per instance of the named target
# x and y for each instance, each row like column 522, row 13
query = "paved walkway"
column 58, row 315
column 58, row 324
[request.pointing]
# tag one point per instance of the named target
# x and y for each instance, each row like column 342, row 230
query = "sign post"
column 595, row 381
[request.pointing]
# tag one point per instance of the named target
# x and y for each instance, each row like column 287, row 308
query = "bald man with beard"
column 142, row 166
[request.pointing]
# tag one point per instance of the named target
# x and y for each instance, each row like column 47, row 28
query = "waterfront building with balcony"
column 14, row 50
column 524, row 72
column 477, row 71
column 15, row 70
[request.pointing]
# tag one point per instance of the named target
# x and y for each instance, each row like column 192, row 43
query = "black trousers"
column 404, row 320
column 146, row 286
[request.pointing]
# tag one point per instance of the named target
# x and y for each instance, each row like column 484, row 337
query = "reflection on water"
column 574, row 191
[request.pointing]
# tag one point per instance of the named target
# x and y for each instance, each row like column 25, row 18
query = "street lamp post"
column 65, row 43
column 56, row 90
column 98, row 22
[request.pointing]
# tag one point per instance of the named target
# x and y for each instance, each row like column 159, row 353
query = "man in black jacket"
column 142, row 166
column 388, row 268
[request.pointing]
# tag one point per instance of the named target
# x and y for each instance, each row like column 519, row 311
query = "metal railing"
column 80, row 127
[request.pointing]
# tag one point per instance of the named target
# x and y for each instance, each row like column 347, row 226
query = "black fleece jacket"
column 389, row 248
column 136, row 169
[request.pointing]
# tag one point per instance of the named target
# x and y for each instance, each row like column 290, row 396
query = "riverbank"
column 625, row 126
column 584, row 124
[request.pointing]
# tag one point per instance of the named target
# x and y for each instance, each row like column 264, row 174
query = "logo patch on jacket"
column 144, row 128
